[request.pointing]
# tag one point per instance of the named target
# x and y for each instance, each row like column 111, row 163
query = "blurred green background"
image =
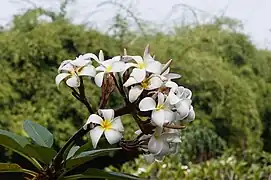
column 230, row 79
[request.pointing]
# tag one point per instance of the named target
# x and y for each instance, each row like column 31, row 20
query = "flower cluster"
column 149, row 91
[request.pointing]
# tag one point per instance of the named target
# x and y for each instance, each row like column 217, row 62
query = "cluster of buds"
column 158, row 105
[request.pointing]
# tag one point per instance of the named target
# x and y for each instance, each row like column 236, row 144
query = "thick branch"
column 171, row 126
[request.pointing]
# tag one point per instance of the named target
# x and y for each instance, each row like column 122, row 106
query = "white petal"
column 166, row 67
column 99, row 79
column 173, row 99
column 149, row 158
column 101, row 55
column 113, row 136
column 165, row 149
column 64, row 63
column 155, row 145
column 117, row 124
column 134, row 93
column 138, row 74
column 183, row 108
column 165, row 72
column 87, row 71
column 127, row 66
column 95, row 135
column 171, row 84
column 173, row 76
column 116, row 58
column 147, row 52
column 154, row 83
column 94, row 118
column 89, row 56
column 80, row 62
column 191, row 115
column 147, row 104
column 60, row 77
column 68, row 67
column 154, row 67
column 158, row 117
column 132, row 65
column 108, row 62
column 171, row 137
column 108, row 114
column 187, row 93
column 169, row 116
column 130, row 82
column 73, row 81
column 138, row 59
column 100, row 68
column 161, row 98
column 118, row 66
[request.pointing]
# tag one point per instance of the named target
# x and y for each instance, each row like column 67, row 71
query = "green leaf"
column 72, row 151
column 16, row 143
column 19, row 139
column 42, row 154
column 85, row 147
column 87, row 156
column 101, row 174
column 38, row 133
column 11, row 167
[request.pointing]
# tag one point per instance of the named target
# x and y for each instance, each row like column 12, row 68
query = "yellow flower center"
column 145, row 83
column 159, row 107
column 109, row 68
column 106, row 124
column 76, row 70
column 141, row 65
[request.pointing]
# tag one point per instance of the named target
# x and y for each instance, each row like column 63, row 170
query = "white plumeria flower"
column 179, row 93
column 166, row 75
column 161, row 144
column 161, row 112
column 108, row 66
column 144, row 65
column 151, row 83
column 72, row 69
column 186, row 117
column 107, row 124
column 181, row 99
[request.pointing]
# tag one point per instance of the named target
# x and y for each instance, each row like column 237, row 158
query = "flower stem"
column 82, row 96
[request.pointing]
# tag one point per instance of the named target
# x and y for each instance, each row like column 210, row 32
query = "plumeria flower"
column 72, row 69
column 151, row 83
column 182, row 114
column 161, row 144
column 166, row 75
column 161, row 111
column 108, row 66
column 181, row 99
column 144, row 65
column 176, row 94
column 107, row 124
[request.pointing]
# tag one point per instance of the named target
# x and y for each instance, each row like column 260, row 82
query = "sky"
column 254, row 14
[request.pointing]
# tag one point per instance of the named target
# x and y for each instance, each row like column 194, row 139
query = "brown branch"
column 171, row 126
column 82, row 96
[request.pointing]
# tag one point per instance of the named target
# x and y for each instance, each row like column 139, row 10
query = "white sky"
column 253, row 13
